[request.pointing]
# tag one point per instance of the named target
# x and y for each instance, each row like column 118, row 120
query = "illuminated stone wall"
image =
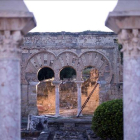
column 77, row 50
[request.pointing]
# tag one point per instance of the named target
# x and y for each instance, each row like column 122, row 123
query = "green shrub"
column 107, row 121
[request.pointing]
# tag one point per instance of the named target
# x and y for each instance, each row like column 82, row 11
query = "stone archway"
column 90, row 76
column 102, row 64
column 33, row 65
column 57, row 63
column 45, row 92
column 64, row 59
column 36, row 62
column 68, row 92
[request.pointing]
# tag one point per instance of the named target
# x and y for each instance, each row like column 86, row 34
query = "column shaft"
column 79, row 99
column 57, row 100
column 131, row 83
column 10, row 99
column 79, row 84
column 131, row 98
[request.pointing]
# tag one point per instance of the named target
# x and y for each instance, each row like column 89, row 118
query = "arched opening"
column 68, row 92
column 45, row 73
column 45, row 92
column 90, row 77
column 67, row 73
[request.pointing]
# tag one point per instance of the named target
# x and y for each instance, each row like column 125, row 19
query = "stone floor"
column 62, row 128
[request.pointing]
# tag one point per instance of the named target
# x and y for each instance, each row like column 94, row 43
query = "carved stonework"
column 130, row 39
column 10, row 42
column 98, row 61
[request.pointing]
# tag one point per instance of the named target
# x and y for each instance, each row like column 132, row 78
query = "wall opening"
column 45, row 73
column 46, row 92
column 90, row 76
column 68, row 73
column 68, row 92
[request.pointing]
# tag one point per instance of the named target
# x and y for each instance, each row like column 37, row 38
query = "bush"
column 107, row 121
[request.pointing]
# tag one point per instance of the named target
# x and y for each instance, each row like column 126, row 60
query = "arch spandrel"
column 99, row 61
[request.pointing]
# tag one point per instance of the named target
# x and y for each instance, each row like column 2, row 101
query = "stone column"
column 124, row 21
column 32, row 98
column 79, row 84
column 10, row 85
column 56, row 84
column 131, row 82
column 102, row 90
column 15, row 21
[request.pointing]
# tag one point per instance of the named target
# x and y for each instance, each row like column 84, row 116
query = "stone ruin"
column 95, row 49
column 80, row 51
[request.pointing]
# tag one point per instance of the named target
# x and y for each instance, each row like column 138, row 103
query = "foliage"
column 86, row 73
column 107, row 121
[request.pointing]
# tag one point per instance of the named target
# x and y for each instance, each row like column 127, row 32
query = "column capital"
column 14, row 24
column 10, row 43
column 79, row 83
column 130, row 39
column 56, row 83
column 33, row 83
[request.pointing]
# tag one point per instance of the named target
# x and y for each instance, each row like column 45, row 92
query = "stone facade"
column 77, row 50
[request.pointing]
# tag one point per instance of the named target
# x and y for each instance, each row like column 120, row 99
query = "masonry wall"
column 76, row 43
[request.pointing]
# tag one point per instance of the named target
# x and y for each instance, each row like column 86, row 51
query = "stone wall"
column 77, row 50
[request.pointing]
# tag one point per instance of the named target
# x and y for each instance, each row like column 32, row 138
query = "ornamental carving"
column 130, row 39
column 10, row 42
column 36, row 62
column 69, row 59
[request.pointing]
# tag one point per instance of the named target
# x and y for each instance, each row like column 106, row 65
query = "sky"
column 70, row 16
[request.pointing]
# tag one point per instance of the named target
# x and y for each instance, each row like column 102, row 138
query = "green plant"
column 107, row 121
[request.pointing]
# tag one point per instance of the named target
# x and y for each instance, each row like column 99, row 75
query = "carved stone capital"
column 79, row 83
column 10, row 42
column 130, row 39
column 56, row 83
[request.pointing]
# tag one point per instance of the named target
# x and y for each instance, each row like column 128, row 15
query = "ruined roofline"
column 72, row 33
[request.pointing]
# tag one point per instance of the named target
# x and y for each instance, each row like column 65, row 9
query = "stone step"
column 70, row 135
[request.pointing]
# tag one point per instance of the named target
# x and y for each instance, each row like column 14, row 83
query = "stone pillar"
column 124, row 20
column 24, row 100
column 14, row 23
column 131, row 82
column 102, row 90
column 79, row 85
column 32, row 98
column 56, row 84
